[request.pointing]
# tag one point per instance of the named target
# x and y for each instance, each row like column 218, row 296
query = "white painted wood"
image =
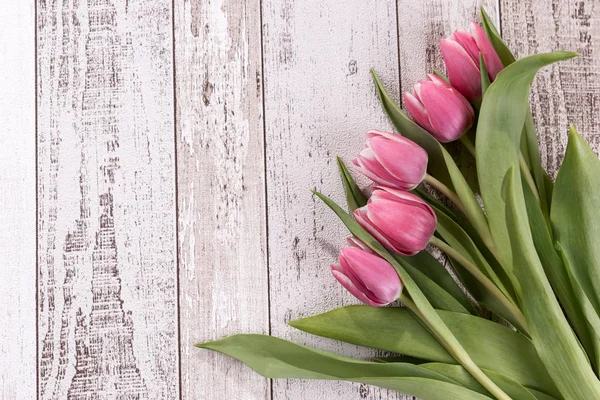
column 106, row 190
column 17, row 202
column 568, row 92
column 222, row 221
column 319, row 101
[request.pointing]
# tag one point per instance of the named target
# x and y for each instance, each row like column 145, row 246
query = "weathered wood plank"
column 319, row 101
column 569, row 92
column 17, row 202
column 221, row 194
column 106, row 189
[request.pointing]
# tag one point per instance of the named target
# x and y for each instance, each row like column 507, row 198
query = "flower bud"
column 392, row 160
column 439, row 109
column 461, row 56
column 401, row 221
column 368, row 277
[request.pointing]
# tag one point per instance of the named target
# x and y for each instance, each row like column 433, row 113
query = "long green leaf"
column 551, row 334
column 587, row 308
column 557, row 272
column 499, row 128
column 354, row 196
column 435, row 293
column 501, row 48
column 576, row 214
column 397, row 330
column 429, row 266
column 276, row 358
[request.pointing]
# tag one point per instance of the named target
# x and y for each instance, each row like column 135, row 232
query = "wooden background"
column 156, row 161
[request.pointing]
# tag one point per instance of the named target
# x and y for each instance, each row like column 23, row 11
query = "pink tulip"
column 461, row 55
column 401, row 221
column 368, row 277
column 392, row 160
column 439, row 109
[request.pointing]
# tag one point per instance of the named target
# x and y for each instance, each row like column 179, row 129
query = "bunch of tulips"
column 516, row 315
column 401, row 221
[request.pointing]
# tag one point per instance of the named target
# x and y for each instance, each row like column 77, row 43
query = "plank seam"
column 265, row 180
column 176, row 191
column 37, row 207
column 398, row 51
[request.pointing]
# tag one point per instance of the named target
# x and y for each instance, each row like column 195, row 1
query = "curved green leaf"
column 575, row 214
column 557, row 272
column 354, row 196
column 429, row 266
column 501, row 48
column 397, row 330
column 276, row 358
column 501, row 120
column 551, row 334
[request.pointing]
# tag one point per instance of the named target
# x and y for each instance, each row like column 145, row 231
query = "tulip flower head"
column 461, row 56
column 392, row 160
column 439, row 109
column 401, row 221
column 367, row 276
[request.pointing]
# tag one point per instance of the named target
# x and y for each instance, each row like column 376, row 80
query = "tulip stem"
column 445, row 190
column 466, row 141
column 459, row 353
column 484, row 280
column 528, row 177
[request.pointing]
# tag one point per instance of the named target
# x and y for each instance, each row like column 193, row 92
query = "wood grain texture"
column 17, row 202
column 106, row 201
column 222, row 222
column 319, row 101
column 568, row 92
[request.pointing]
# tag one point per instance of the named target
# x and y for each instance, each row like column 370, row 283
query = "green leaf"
column 276, row 358
column 556, row 272
column 457, row 238
column 485, row 78
column 428, row 314
column 436, row 272
column 575, row 214
column 437, row 296
column 354, row 196
column 460, row 375
column 551, row 334
column 587, row 308
column 397, row 330
column 501, row 48
column 499, row 128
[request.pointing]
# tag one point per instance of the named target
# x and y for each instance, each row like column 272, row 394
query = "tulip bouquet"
column 522, row 248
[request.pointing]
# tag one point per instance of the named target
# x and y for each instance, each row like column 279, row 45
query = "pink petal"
column 404, row 160
column 467, row 42
column 449, row 115
column 417, row 111
column 490, row 57
column 348, row 284
column 462, row 70
column 374, row 273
